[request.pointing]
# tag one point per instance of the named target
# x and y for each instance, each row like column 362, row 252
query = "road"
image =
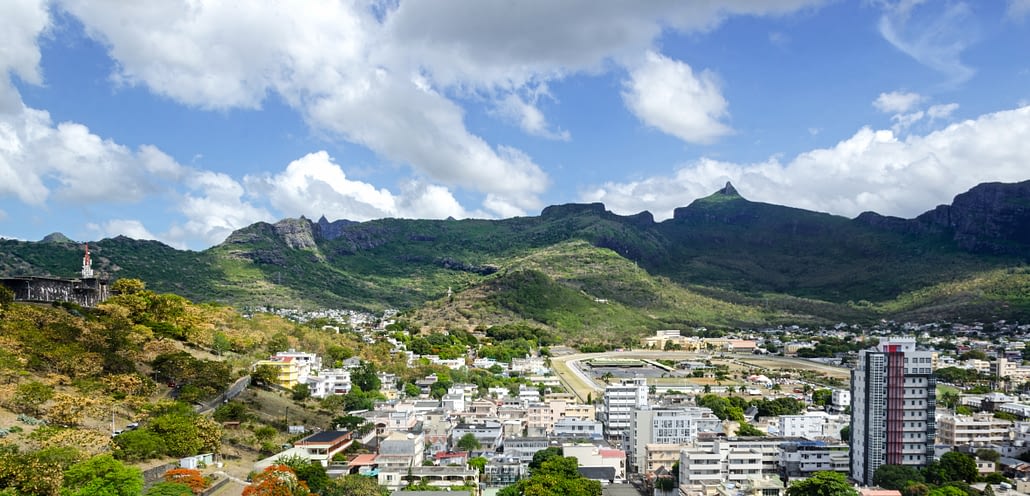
column 576, row 381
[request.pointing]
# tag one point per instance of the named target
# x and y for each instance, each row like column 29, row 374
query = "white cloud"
column 315, row 185
column 380, row 76
column 934, row 39
column 941, row 111
column 666, row 94
column 214, row 208
column 526, row 113
column 3, row 215
column 122, row 227
column 21, row 22
column 897, row 101
column 872, row 170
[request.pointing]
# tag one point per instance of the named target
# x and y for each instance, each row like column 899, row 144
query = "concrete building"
column 440, row 477
column 710, row 463
column 322, row 446
column 400, row 450
column 977, row 430
column 592, row 456
column 575, row 427
column 662, row 426
column 328, row 382
column 893, row 393
column 619, row 402
column 840, row 399
column 489, row 434
column 805, row 426
column 803, row 458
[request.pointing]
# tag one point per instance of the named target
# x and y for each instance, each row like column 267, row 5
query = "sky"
column 183, row 120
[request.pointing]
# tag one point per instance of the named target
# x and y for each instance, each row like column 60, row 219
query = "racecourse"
column 579, row 383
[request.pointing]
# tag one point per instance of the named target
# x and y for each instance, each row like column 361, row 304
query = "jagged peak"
column 728, row 190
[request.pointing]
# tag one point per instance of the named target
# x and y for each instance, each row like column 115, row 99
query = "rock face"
column 331, row 230
column 296, row 233
column 56, row 238
column 990, row 218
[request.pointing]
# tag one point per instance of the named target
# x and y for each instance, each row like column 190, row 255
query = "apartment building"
column 894, row 404
column 619, row 402
column 803, row 458
column 663, row 426
column 709, row 463
column 976, row 430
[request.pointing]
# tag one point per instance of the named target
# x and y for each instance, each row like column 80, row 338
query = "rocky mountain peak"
column 728, row 190
column 296, row 233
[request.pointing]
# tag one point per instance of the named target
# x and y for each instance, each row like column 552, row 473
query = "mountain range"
column 721, row 261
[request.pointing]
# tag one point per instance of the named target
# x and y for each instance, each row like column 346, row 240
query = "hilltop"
column 723, row 260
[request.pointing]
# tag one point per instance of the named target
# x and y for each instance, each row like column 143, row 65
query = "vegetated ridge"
column 720, row 261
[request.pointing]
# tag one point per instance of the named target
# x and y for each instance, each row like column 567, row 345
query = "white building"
column 578, row 428
column 893, row 393
column 619, row 402
column 329, row 381
column 806, row 426
column 840, row 399
column 591, row 456
column 662, row 426
column 714, row 462
column 802, row 459
column 977, row 430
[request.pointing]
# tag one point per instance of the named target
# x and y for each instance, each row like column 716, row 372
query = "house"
column 325, row 382
column 400, row 450
column 322, row 446
column 489, row 434
column 443, row 477
column 591, row 456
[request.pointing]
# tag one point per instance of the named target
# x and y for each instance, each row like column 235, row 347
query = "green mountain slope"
column 723, row 260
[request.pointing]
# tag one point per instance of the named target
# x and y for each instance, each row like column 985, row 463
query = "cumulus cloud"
column 315, row 185
column 897, row 101
column 667, row 95
column 384, row 77
column 872, row 170
column 934, row 39
column 941, row 111
column 214, row 207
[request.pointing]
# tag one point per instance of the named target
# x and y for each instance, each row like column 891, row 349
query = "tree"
column 747, row 429
column 220, row 343
column 301, row 392
column 557, row 476
column 265, row 375
column 953, row 466
column 478, row 463
column 276, row 480
column 542, row 456
column 102, row 475
column 896, row 476
column 822, row 484
column 349, row 422
column 138, row 445
column 845, row 434
column 916, row 489
column 822, row 397
column 947, row 491
column 412, row 390
column 354, row 485
column 365, row 377
column 190, row 478
column 312, row 474
column 988, row 454
column 29, row 396
column 948, row 399
column 468, row 442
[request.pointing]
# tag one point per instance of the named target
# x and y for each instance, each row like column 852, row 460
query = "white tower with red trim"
column 87, row 265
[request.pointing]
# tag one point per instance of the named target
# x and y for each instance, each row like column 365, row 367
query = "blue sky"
column 184, row 120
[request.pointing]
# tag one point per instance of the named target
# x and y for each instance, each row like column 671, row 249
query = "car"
column 132, row 426
column 115, row 433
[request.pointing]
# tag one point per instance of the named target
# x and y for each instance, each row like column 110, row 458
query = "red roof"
column 441, row 455
column 612, row 453
column 361, row 460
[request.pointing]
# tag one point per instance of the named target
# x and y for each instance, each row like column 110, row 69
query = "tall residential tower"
column 893, row 399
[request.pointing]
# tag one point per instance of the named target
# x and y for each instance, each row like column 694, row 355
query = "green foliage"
column 897, row 476
column 232, row 411
column 468, row 442
column 169, row 489
column 300, row 392
column 822, row 397
column 365, row 377
column 542, row 456
column 311, row 473
column 953, row 466
column 102, row 475
column 822, row 484
column 354, row 485
column 29, row 396
column 138, row 445
column 478, row 463
column 208, row 377
column 556, row 476
column 747, row 429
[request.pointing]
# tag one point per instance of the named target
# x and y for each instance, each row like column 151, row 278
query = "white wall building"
column 662, row 426
column 619, row 402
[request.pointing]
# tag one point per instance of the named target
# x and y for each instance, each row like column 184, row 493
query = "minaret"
column 87, row 265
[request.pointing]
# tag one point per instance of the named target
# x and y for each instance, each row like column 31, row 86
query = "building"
column 709, row 463
column 840, row 399
column 806, row 426
column 803, row 458
column 662, row 426
column 611, row 461
column 322, row 446
column 489, row 434
column 976, row 430
column 619, row 402
column 328, row 382
column 442, row 477
column 400, row 450
column 893, row 394
column 580, row 428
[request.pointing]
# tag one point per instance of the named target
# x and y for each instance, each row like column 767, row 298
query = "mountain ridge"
column 763, row 255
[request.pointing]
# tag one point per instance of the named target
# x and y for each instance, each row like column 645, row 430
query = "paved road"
column 581, row 385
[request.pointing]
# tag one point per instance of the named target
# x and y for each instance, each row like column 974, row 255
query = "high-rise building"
column 619, row 401
column 678, row 426
column 893, row 402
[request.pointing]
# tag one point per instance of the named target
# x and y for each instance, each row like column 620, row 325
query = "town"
column 687, row 412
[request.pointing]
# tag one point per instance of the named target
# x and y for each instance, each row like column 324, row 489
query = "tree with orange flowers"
column 277, row 480
column 188, row 477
